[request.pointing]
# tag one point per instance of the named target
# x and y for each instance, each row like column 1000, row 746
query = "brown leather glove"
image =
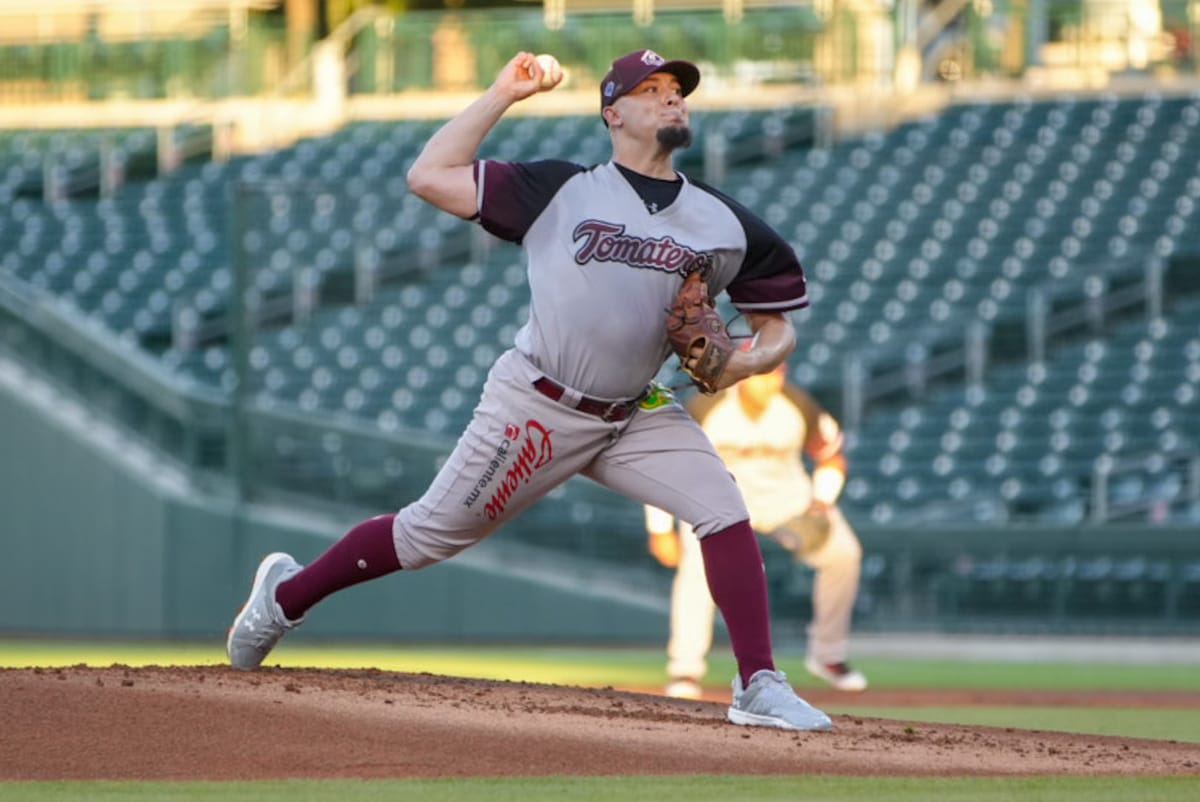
column 806, row 533
column 697, row 334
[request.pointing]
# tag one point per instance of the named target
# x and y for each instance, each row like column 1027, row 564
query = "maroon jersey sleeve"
column 513, row 194
column 771, row 278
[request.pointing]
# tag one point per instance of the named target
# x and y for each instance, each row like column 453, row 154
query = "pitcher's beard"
column 674, row 137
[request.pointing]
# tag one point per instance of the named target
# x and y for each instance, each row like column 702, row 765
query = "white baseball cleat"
column 261, row 622
column 770, row 701
column 684, row 688
column 840, row 675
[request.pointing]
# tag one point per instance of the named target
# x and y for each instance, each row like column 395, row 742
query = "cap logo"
column 610, row 88
column 652, row 59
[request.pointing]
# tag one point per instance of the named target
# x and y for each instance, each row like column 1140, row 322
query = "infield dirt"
column 213, row 723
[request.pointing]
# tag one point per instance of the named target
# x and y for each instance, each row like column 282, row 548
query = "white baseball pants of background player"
column 838, row 564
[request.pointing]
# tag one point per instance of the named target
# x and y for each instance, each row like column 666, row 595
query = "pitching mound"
column 212, row 723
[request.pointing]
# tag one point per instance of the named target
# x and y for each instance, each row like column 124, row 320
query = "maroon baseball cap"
column 631, row 69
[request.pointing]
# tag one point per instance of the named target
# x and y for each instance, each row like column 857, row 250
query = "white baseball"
column 551, row 70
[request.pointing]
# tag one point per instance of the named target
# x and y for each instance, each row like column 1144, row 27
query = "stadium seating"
column 903, row 227
column 1032, row 433
column 95, row 68
column 907, row 237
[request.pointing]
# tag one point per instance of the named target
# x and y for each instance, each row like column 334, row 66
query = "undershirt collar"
column 656, row 193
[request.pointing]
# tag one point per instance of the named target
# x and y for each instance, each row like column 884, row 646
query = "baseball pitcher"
column 610, row 250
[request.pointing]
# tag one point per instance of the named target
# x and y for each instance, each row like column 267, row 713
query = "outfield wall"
column 100, row 537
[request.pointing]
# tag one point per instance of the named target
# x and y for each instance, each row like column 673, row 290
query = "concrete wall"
column 101, row 539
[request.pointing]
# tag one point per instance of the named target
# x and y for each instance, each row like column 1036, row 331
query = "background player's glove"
column 665, row 547
column 697, row 334
column 806, row 533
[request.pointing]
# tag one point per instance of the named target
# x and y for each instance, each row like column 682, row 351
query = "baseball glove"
column 697, row 334
column 806, row 533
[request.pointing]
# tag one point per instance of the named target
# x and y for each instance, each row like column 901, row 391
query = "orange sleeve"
column 824, row 441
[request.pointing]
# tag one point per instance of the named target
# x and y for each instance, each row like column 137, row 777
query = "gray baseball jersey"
column 602, row 271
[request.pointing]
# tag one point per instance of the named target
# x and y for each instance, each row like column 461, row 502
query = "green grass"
column 1165, row 725
column 633, row 667
column 628, row 789
column 1031, row 675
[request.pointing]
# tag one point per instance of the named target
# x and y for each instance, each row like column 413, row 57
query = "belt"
column 609, row 411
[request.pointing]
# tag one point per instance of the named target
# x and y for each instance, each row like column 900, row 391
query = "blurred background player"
column 762, row 428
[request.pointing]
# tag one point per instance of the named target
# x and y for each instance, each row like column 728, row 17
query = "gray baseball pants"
column 520, row 445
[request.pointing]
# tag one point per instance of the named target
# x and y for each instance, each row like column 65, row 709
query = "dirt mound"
column 212, row 723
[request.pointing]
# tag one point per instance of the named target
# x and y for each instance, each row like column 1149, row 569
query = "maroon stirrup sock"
column 733, row 564
column 365, row 552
